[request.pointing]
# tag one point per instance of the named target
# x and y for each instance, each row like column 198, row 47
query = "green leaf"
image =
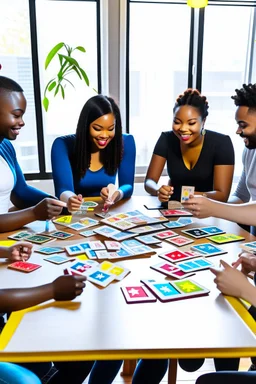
column 70, row 60
column 84, row 76
column 95, row 90
column 45, row 103
column 62, row 91
column 77, row 72
column 64, row 78
column 52, row 53
column 82, row 49
column 57, row 90
column 51, row 86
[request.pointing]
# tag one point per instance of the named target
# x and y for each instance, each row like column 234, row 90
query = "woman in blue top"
column 85, row 163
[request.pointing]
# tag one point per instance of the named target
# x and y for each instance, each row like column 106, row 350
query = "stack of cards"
column 175, row 290
column 194, row 265
column 249, row 247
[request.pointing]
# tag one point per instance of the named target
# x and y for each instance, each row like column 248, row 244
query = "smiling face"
column 102, row 131
column 187, row 124
column 12, row 108
column 246, row 120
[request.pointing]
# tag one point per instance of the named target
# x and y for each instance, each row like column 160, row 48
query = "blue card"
column 166, row 289
column 174, row 224
column 213, row 230
column 208, row 249
column 194, row 265
column 185, row 220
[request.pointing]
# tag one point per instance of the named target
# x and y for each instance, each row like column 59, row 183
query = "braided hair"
column 245, row 96
column 193, row 98
column 111, row 156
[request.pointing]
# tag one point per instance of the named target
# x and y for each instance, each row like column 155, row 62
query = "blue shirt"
column 24, row 196
column 92, row 183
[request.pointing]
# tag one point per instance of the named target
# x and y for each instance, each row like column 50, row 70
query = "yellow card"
column 8, row 243
column 82, row 257
column 64, row 220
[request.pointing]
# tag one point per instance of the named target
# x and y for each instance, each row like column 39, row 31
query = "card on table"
column 19, row 235
column 112, row 245
column 24, row 266
column 88, row 222
column 186, row 191
column 77, row 226
column 132, row 243
column 100, row 278
column 185, row 220
column 175, row 212
column 147, row 228
column 249, row 247
column 148, row 239
column 87, row 233
column 137, row 250
column 174, row 224
column 96, row 245
column 103, row 215
column 49, row 250
column 119, row 236
column 170, row 269
column 165, row 234
column 179, row 240
column 82, row 267
column 91, row 254
column 38, row 239
column 175, row 290
column 208, row 249
column 226, row 238
column 176, row 255
column 195, row 265
column 76, row 249
column 212, row 230
column 63, row 220
column 58, row 259
column 106, row 231
column 197, row 233
column 114, row 269
column 61, row 235
column 103, row 254
column 137, row 294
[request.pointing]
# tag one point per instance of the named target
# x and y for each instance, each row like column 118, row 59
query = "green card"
column 225, row 238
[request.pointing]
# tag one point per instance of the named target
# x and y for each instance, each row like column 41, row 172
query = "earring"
column 203, row 131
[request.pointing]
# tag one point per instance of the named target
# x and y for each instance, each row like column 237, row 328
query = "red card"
column 24, row 266
column 137, row 294
column 174, row 256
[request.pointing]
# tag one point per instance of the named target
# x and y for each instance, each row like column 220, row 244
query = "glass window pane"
column 15, row 58
column 75, row 24
column 159, row 48
column 224, row 68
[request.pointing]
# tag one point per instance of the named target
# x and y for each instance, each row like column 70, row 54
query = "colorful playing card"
column 148, row 239
column 82, row 267
column 179, row 240
column 175, row 290
column 88, row 222
column 24, row 266
column 147, row 229
column 176, row 255
column 77, row 226
column 87, row 233
column 103, row 254
column 194, row 265
column 63, row 220
column 170, row 269
column 208, row 249
column 197, row 233
column 212, row 230
column 165, row 234
column 61, row 235
column 89, row 204
column 49, row 250
column 19, row 235
column 114, row 269
column 96, row 245
column 105, row 230
column 174, row 224
column 119, row 236
column 175, row 212
column 100, row 278
column 132, row 243
column 38, row 239
column 91, row 254
column 227, row 238
column 249, row 247
column 112, row 245
column 185, row 220
column 57, row 259
column 75, row 249
column 186, row 192
column 137, row 294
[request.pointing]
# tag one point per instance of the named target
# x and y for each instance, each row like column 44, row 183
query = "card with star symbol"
column 137, row 294
column 175, row 290
column 101, row 278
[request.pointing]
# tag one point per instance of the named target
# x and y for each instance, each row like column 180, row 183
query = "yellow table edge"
column 242, row 311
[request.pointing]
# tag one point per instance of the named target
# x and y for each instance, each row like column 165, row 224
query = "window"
column 15, row 57
column 158, row 61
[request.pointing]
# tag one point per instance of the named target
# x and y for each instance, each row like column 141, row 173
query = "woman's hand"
column 199, row 206
column 164, row 193
column 247, row 261
column 74, row 203
column 19, row 252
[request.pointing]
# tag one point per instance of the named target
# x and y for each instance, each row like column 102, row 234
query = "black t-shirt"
column 217, row 150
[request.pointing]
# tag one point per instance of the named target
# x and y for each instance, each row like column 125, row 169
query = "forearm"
column 241, row 213
column 151, row 187
column 249, row 294
column 214, row 195
column 66, row 195
column 16, row 299
column 15, row 220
